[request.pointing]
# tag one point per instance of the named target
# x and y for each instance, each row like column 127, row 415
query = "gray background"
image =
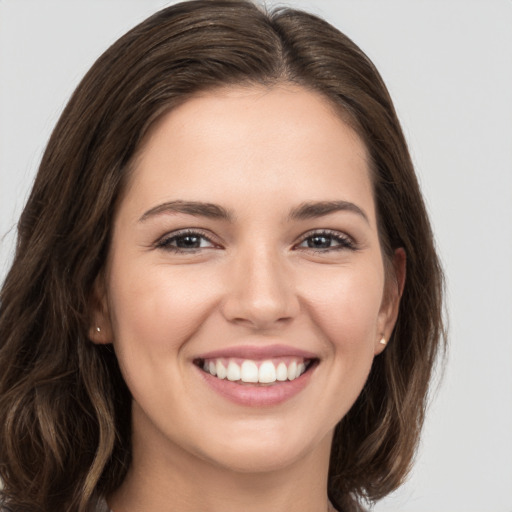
column 448, row 65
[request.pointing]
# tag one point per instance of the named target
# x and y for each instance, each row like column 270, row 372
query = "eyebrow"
column 304, row 211
column 196, row 208
column 313, row 209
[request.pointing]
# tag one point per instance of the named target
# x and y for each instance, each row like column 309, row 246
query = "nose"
column 261, row 293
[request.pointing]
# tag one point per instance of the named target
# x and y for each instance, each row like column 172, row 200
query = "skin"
column 259, row 153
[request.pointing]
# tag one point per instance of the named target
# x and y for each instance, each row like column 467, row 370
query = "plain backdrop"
column 448, row 65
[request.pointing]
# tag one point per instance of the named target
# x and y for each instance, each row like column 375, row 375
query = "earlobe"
column 99, row 336
column 391, row 301
column 100, row 331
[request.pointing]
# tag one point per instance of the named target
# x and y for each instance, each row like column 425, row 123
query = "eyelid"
column 344, row 240
column 163, row 241
column 348, row 241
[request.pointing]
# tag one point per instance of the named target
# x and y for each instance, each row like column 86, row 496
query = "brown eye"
column 327, row 241
column 319, row 242
column 189, row 241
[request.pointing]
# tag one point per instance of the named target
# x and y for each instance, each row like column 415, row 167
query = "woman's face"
column 246, row 246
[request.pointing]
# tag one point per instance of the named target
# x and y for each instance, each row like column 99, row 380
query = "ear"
column 395, row 282
column 100, row 328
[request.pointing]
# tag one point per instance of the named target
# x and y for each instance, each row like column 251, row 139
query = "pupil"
column 321, row 242
column 188, row 241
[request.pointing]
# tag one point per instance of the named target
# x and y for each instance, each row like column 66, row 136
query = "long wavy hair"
column 64, row 407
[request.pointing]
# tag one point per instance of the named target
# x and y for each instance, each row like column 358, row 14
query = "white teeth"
column 249, row 372
column 221, row 370
column 233, row 372
column 292, row 371
column 281, row 372
column 267, row 372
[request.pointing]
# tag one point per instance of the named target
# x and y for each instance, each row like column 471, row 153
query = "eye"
column 185, row 241
column 325, row 241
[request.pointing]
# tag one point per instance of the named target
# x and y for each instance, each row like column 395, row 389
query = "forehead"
column 254, row 111
column 254, row 140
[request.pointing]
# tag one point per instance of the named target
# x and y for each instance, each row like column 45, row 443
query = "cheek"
column 158, row 308
column 346, row 307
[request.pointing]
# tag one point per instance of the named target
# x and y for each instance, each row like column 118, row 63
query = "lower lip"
column 257, row 396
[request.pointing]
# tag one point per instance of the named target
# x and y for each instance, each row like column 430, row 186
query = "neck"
column 173, row 479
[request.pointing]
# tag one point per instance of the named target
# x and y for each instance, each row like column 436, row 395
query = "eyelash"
column 165, row 242
column 344, row 241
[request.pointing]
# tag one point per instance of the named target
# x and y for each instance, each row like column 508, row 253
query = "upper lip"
column 257, row 352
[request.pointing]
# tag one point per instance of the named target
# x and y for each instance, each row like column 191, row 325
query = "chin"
column 264, row 449
column 241, row 459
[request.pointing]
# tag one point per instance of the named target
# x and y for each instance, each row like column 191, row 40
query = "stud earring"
column 383, row 341
column 98, row 329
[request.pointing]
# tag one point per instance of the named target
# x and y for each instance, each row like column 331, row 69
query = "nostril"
column 260, row 297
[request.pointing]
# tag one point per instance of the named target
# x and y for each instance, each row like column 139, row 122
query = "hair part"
column 66, row 430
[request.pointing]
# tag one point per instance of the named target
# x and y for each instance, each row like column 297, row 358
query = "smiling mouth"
column 256, row 372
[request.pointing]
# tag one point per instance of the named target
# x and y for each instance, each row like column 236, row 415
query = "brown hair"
column 65, row 429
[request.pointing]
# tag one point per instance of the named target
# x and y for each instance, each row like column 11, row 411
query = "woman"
column 225, row 293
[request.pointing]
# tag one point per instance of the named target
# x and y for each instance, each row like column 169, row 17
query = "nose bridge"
column 261, row 292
